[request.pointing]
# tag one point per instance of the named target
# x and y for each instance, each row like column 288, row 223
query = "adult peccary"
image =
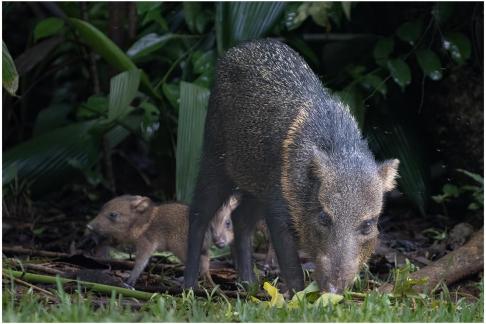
column 292, row 149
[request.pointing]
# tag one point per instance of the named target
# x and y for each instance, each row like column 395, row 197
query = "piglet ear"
column 388, row 172
column 233, row 202
column 140, row 203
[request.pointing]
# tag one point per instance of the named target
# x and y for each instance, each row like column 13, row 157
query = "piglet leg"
column 144, row 252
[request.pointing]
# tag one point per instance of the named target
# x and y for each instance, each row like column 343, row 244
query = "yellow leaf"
column 277, row 298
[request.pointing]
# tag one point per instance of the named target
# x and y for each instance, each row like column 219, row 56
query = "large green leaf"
column 105, row 47
column 172, row 93
column 51, row 118
column 375, row 83
column 191, row 11
column 192, row 115
column 10, row 77
column 382, row 50
column 240, row 20
column 148, row 44
column 458, row 45
column 389, row 138
column 400, row 72
column 48, row 27
column 430, row 63
column 36, row 54
column 53, row 158
column 410, row 31
column 43, row 161
column 123, row 89
column 442, row 11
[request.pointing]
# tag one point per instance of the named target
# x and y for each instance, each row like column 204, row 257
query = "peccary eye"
column 227, row 224
column 113, row 216
column 366, row 227
column 325, row 219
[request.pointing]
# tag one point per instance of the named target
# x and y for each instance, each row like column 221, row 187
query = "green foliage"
column 10, row 77
column 240, row 21
column 451, row 191
column 192, row 115
column 375, row 307
column 392, row 139
column 353, row 98
column 196, row 18
column 400, row 72
column 410, row 31
column 48, row 27
column 430, row 63
column 436, row 235
column 382, row 50
column 44, row 159
column 458, row 45
column 403, row 285
column 123, row 89
column 113, row 55
column 148, row 44
column 442, row 11
column 53, row 155
column 180, row 42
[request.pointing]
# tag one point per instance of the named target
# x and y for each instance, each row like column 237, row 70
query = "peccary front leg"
column 244, row 220
column 277, row 219
column 144, row 252
column 209, row 194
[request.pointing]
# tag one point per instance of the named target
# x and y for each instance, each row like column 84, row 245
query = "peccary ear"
column 388, row 172
column 140, row 203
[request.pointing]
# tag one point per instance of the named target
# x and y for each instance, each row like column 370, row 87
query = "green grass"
column 80, row 307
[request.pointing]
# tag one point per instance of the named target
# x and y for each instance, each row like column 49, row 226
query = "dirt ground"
column 58, row 225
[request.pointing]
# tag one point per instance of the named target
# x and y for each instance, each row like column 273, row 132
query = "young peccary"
column 222, row 226
column 137, row 221
column 293, row 150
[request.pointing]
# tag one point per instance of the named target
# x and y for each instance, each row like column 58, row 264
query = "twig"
column 39, row 267
column 31, row 277
column 24, row 283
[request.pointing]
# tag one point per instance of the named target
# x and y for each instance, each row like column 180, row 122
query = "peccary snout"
column 337, row 269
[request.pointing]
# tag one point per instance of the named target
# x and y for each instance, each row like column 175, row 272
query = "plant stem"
column 31, row 277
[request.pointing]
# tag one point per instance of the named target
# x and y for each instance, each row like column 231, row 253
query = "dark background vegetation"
column 73, row 137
